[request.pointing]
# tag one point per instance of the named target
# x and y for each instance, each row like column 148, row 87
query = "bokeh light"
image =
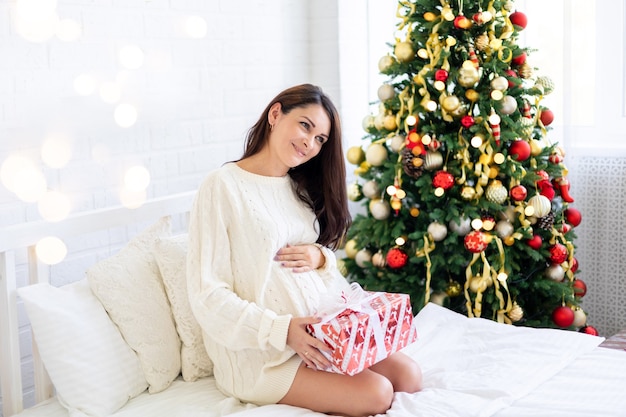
column 110, row 92
column 68, row 30
column 131, row 57
column 132, row 199
column 56, row 151
column 84, row 84
column 51, row 250
column 196, row 27
column 10, row 167
column 54, row 206
column 20, row 176
column 125, row 115
column 36, row 20
column 136, row 178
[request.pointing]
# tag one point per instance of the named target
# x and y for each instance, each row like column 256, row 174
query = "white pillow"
column 171, row 256
column 93, row 370
column 129, row 286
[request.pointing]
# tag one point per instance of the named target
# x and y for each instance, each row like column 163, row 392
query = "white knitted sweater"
column 243, row 298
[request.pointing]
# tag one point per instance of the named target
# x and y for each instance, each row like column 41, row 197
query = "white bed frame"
column 25, row 237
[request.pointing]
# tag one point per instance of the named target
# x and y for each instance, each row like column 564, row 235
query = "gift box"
column 366, row 330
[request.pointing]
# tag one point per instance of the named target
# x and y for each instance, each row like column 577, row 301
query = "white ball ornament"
column 379, row 121
column 500, row 83
column 376, row 154
column 433, row 160
column 504, row 229
column 438, row 298
column 462, row 228
column 396, row 143
column 404, row 51
column 386, row 92
column 541, row 205
column 362, row 257
column 508, row 105
column 437, row 231
column 368, row 123
column 378, row 259
column 580, row 317
column 380, row 209
column 555, row 272
column 371, row 189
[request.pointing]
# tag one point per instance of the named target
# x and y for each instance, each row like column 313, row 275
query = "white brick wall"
column 196, row 99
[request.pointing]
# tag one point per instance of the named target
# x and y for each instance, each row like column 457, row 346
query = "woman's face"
column 299, row 135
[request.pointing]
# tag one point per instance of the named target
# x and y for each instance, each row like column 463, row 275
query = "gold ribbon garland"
column 424, row 252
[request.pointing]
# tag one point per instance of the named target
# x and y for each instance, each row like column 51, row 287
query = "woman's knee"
column 410, row 379
column 377, row 395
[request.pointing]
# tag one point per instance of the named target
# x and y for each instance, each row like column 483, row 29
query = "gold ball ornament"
column 404, row 51
column 386, row 92
column 453, row 289
column 389, row 122
column 379, row 121
column 478, row 283
column 496, row 192
column 429, row 16
column 535, row 147
column 516, row 313
column 354, row 192
column 450, row 103
column 371, row 189
column 380, row 209
column 341, row 266
column 385, row 63
column 376, row 154
column 355, row 155
column 468, row 193
column 350, row 248
column 363, row 257
column 468, row 75
column 472, row 95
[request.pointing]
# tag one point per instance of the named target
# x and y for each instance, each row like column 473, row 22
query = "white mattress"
column 472, row 367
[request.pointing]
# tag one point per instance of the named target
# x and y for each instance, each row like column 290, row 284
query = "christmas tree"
column 466, row 199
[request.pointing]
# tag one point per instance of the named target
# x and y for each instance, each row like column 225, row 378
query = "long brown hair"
column 321, row 181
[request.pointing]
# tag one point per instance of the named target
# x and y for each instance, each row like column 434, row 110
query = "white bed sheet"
column 472, row 367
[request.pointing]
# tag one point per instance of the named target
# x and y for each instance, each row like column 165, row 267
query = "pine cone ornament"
column 413, row 165
column 481, row 42
column 546, row 222
column 525, row 70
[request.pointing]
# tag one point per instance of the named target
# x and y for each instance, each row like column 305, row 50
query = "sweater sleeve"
column 221, row 313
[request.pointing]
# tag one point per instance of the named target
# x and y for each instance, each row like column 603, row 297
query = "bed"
column 85, row 338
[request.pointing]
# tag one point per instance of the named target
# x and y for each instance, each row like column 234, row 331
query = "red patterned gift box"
column 366, row 331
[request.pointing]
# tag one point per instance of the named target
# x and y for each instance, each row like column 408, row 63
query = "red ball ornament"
column 396, row 258
column 563, row 316
column 565, row 228
column 543, row 175
column 476, row 241
column 535, row 242
column 558, row 253
column 519, row 193
column 467, row 121
column 520, row 150
column 580, row 288
column 589, row 330
column 519, row 59
column 513, row 78
column 573, row 216
column 441, row 75
column 574, row 266
column 547, row 117
column 519, row 19
column 462, row 22
column 443, row 179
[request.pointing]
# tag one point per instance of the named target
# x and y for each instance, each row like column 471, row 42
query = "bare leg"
column 367, row 393
column 403, row 372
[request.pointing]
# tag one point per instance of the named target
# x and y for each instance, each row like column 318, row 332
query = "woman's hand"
column 306, row 346
column 301, row 258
